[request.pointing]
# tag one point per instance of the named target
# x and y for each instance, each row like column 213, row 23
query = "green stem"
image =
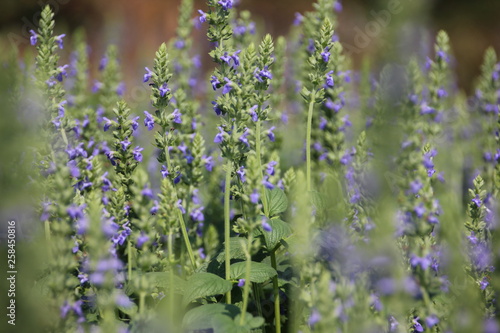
column 246, row 288
column 171, row 300
column 142, row 299
column 308, row 140
column 227, row 225
column 63, row 134
column 129, row 259
column 259, row 161
column 181, row 217
column 277, row 313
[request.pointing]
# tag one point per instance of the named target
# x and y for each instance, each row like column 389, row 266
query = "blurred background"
column 366, row 27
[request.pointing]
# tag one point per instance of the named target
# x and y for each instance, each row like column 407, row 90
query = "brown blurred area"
column 139, row 26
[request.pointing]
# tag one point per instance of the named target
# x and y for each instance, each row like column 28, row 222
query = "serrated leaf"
column 200, row 318
column 317, row 200
column 259, row 272
column 204, row 284
column 280, row 230
column 277, row 200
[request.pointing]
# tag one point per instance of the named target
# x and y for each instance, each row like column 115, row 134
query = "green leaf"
column 277, row 200
column 200, row 318
column 280, row 230
column 160, row 280
column 236, row 250
column 317, row 200
column 132, row 310
column 204, row 284
column 259, row 272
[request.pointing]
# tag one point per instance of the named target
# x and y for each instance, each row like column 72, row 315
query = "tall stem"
column 227, row 224
column 181, row 217
column 246, row 288
column 171, row 258
column 277, row 313
column 308, row 140
column 259, row 161
column 129, row 259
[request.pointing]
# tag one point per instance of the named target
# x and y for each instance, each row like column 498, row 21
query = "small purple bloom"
column 253, row 114
column 75, row 212
column 416, row 186
column 203, row 16
column 164, row 89
column 147, row 192
column 241, row 283
column 149, row 121
column 241, row 174
column 179, row 205
column 337, row 6
column 125, row 144
column 164, row 171
column 477, row 201
column 177, row 116
column 314, row 318
column 254, row 197
column 264, row 75
column 59, row 41
column 431, row 321
column 107, row 123
column 417, row 326
column 266, row 225
column 227, row 87
column 208, row 160
column 220, row 136
column 226, row 4
column 197, row 214
column 325, row 55
column 33, row 38
column 270, row 168
column 148, row 75
column 243, row 137
column 215, row 82
column 298, row 19
column 133, row 123
column 270, row 134
column 155, row 208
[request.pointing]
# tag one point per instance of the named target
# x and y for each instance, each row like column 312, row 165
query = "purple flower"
column 477, row 201
column 441, row 93
column 179, row 44
column 443, row 55
column 219, row 137
column 298, row 19
column 484, row 283
column 155, row 208
column 241, row 282
column 241, row 174
column 103, row 63
column 149, row 121
column 209, row 163
column 270, row 168
column 226, row 58
column 226, row 4
column 236, row 58
column 164, row 89
column 243, row 137
column 215, row 82
column 197, row 214
column 426, row 109
column 254, row 197
column 417, row 326
column 59, row 41
column 179, row 205
column 266, row 225
column 33, row 38
column 177, row 116
column 75, row 212
column 264, row 75
column 125, row 143
column 423, row 262
column 73, row 169
column 148, row 75
column 337, row 6
column 419, row 210
column 270, row 134
column 217, row 109
column 314, row 318
column 107, row 123
column 123, row 301
column 61, row 72
column 147, row 192
column 134, row 123
column 227, row 87
column 203, row 16
column 416, row 186
column 325, row 55
column 431, row 321
column 253, row 114
column 164, row 171
column 329, row 80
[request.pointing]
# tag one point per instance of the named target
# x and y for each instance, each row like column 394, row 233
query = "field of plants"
column 282, row 191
